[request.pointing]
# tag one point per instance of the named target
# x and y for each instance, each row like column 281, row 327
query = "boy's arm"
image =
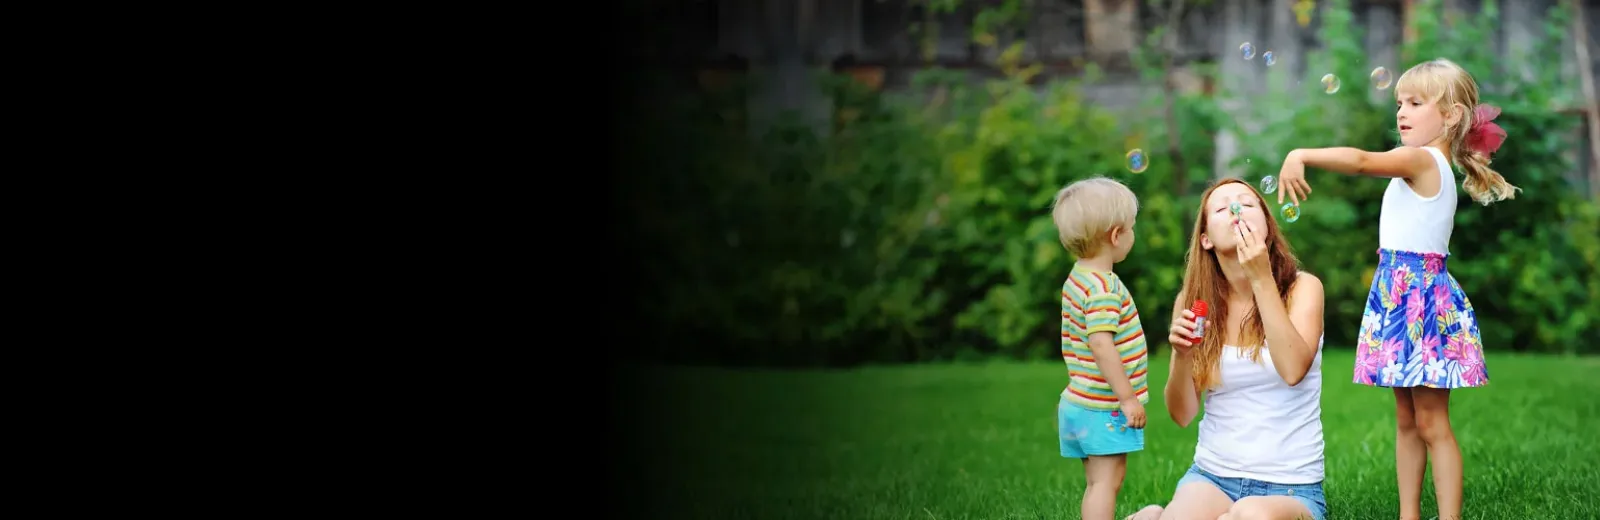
column 1404, row 162
column 1102, row 317
column 1110, row 362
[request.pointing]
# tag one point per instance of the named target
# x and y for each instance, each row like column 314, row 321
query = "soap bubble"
column 1381, row 78
column 1234, row 208
column 1291, row 212
column 1270, row 60
column 1330, row 83
column 1136, row 161
column 1247, row 50
column 1269, row 185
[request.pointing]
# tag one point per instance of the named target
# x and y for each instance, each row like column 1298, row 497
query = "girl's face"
column 1220, row 220
column 1421, row 121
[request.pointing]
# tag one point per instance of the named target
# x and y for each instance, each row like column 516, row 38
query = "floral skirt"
column 1418, row 327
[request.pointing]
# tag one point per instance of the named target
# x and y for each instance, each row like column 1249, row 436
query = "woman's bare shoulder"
column 1306, row 284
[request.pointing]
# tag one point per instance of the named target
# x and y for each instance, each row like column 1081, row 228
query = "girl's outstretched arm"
column 1405, row 162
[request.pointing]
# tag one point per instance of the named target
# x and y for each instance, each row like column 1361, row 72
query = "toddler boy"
column 1101, row 412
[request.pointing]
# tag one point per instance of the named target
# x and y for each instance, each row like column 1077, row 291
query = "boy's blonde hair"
column 1452, row 87
column 1086, row 210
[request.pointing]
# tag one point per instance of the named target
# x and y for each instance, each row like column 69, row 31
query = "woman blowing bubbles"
column 1256, row 364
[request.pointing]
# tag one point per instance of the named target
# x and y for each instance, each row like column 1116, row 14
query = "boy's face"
column 1121, row 242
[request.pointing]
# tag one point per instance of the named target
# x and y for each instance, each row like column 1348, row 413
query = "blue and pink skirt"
column 1418, row 328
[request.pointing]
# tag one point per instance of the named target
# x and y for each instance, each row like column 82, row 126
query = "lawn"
column 979, row 441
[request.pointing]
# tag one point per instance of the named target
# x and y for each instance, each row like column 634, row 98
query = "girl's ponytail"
column 1472, row 150
column 1483, row 183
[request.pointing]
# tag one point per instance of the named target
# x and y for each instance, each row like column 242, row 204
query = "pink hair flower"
column 1485, row 136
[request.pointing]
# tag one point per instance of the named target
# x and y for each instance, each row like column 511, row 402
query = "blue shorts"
column 1085, row 433
column 1238, row 488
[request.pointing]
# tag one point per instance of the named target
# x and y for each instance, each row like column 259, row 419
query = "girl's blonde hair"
column 1444, row 82
column 1203, row 280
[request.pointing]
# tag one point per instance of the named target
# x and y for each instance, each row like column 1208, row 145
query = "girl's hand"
column 1292, row 179
column 1252, row 251
column 1181, row 336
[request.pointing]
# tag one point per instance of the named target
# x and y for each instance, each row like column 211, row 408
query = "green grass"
column 979, row 441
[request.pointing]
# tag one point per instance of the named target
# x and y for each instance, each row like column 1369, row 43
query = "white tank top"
column 1411, row 222
column 1256, row 426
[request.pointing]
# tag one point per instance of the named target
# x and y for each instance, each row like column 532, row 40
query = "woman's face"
column 1220, row 220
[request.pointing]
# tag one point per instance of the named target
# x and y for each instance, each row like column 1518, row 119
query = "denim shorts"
column 1239, row 488
column 1086, row 432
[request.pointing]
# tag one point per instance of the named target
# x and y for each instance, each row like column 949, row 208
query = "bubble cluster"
column 1330, row 83
column 1381, row 78
column 1136, row 161
column 1247, row 50
column 1269, row 185
column 1269, row 58
column 1291, row 212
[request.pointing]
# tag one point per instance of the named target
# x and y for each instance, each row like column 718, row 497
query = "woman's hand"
column 1252, row 251
column 1181, row 335
column 1292, row 179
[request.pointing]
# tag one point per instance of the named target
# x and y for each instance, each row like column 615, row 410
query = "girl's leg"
column 1433, row 424
column 1410, row 455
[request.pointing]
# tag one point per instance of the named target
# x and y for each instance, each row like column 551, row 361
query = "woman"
column 1257, row 364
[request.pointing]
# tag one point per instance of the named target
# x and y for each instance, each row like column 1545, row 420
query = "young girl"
column 1418, row 333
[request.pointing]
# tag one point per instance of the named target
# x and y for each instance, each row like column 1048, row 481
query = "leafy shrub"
column 918, row 228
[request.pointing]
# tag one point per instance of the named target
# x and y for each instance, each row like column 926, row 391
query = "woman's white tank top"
column 1256, row 426
column 1411, row 222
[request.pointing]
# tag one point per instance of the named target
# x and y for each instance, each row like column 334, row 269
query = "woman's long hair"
column 1203, row 279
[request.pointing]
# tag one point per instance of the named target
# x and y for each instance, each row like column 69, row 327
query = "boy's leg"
column 1106, row 443
column 1433, row 424
column 1104, row 474
column 1410, row 455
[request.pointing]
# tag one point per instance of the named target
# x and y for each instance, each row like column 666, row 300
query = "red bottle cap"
column 1199, row 308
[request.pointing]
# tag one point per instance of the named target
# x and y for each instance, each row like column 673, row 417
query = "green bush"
column 918, row 228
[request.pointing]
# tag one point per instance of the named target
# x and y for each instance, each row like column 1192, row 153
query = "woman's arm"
column 1293, row 331
column 1183, row 403
column 1404, row 162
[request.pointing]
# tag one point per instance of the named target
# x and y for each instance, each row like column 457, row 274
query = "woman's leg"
column 1197, row 501
column 1433, row 424
column 1410, row 455
column 1150, row 512
column 1267, row 508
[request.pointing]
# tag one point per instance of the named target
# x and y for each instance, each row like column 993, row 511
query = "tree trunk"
column 1173, row 23
column 1586, row 75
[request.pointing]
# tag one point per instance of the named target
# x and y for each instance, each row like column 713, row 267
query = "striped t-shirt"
column 1092, row 302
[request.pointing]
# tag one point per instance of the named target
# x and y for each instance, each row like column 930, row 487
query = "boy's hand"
column 1134, row 411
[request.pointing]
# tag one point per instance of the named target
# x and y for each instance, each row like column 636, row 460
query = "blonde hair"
column 1085, row 210
column 1452, row 87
